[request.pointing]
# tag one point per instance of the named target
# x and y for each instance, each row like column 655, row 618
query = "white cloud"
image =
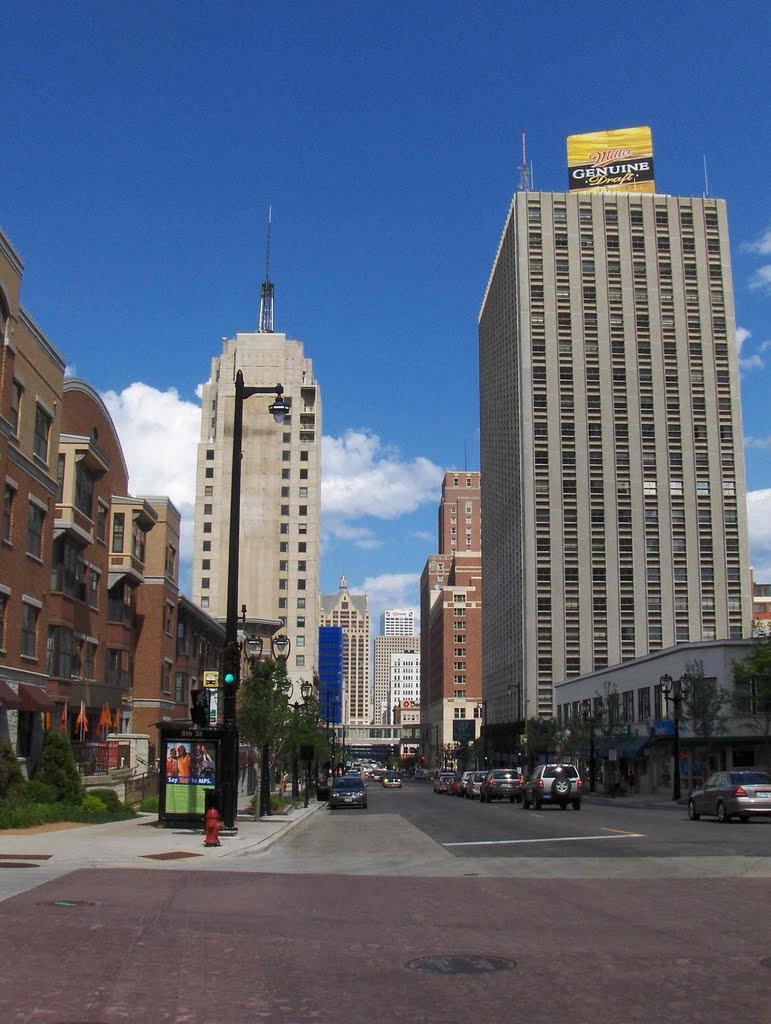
column 762, row 245
column 759, row 519
column 757, row 442
column 361, row 478
column 742, row 335
column 761, row 279
column 753, row 362
column 159, row 433
column 390, row 590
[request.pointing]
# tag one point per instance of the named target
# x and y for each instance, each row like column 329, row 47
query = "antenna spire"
column 524, row 173
column 265, row 325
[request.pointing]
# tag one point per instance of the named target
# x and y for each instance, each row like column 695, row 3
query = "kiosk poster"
column 613, row 161
column 190, row 771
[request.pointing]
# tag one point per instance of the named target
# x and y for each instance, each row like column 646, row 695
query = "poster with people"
column 190, row 770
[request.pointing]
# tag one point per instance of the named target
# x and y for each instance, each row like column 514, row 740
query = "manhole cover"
column 17, row 864
column 460, row 964
column 68, row 904
column 173, row 855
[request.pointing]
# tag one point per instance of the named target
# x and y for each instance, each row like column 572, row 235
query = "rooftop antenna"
column 524, row 173
column 265, row 325
column 706, row 181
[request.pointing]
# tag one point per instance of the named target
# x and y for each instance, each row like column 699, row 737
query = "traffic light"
column 230, row 666
column 199, row 708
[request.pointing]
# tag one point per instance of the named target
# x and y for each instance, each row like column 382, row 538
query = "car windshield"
column 749, row 778
column 347, row 783
column 392, row 775
column 479, row 776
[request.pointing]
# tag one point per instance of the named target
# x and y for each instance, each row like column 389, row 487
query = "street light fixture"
column 586, row 711
column 675, row 691
column 232, row 653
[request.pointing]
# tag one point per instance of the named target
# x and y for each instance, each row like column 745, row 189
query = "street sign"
column 211, row 680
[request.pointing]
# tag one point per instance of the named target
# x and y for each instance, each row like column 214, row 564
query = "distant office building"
column 451, row 620
column 405, row 681
column 351, row 613
column 611, row 441
column 386, row 648
column 331, row 660
column 280, row 493
column 397, row 622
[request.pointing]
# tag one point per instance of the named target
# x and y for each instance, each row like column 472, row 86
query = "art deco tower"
column 280, row 489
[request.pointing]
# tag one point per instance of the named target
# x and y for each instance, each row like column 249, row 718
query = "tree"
column 752, row 693
column 58, row 769
column 703, row 704
column 12, row 781
column 607, row 726
column 262, row 717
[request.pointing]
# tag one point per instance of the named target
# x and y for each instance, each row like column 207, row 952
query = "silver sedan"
column 740, row 794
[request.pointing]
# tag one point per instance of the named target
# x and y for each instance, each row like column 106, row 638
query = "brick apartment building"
column 451, row 621
column 90, row 609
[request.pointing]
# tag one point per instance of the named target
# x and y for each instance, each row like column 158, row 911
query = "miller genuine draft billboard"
column 615, row 161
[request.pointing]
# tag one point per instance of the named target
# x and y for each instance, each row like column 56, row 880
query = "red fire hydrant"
column 213, row 827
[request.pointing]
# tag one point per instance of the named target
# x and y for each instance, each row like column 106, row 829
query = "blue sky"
column 144, row 143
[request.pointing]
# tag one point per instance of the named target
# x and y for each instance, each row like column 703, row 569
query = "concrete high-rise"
column 351, row 613
column 397, row 622
column 611, row 440
column 386, row 649
column 280, row 493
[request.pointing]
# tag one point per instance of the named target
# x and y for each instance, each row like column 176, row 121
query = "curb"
column 293, row 819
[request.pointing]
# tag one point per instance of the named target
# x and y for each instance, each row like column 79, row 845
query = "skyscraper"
column 386, row 649
column 280, row 492
column 397, row 622
column 611, row 442
column 351, row 613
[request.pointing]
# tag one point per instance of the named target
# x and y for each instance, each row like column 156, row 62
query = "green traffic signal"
column 229, row 679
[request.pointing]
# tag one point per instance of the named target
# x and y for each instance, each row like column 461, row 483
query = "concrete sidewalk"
column 34, row 856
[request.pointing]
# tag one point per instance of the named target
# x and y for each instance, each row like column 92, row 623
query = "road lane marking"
column 619, row 831
column 556, row 839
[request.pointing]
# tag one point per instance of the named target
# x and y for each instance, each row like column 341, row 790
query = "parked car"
column 501, row 784
column 391, row 780
column 455, row 784
column 442, row 782
column 465, row 779
column 348, row 791
column 731, row 794
column 474, row 785
column 553, row 784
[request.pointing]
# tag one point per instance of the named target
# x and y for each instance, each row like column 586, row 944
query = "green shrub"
column 12, row 780
column 93, row 805
column 22, row 815
column 39, row 792
column 150, row 803
column 109, row 798
column 58, row 768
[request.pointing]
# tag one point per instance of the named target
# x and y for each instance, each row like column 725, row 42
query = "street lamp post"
column 675, row 690
column 586, row 711
column 232, row 654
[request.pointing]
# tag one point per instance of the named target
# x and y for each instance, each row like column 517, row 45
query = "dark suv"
column 501, row 784
column 553, row 784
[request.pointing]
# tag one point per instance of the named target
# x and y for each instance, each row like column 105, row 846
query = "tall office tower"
column 280, row 493
column 386, row 648
column 611, row 440
column 451, row 619
column 397, row 622
column 331, row 651
column 351, row 613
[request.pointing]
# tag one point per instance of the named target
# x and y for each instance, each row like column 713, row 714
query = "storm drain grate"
column 172, row 855
column 460, row 964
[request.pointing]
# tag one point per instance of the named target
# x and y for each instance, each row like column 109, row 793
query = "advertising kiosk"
column 189, row 780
